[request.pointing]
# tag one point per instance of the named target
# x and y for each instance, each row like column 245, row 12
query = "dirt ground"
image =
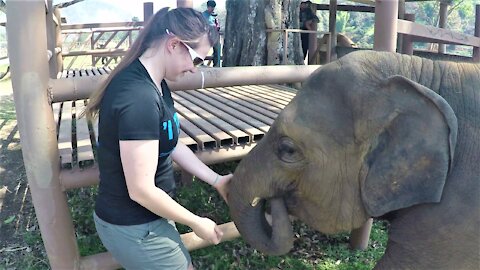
column 17, row 217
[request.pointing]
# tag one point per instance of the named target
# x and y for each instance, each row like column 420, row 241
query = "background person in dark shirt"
column 138, row 140
column 212, row 20
column 308, row 21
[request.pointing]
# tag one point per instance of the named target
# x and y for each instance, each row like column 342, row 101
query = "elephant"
column 372, row 134
column 321, row 53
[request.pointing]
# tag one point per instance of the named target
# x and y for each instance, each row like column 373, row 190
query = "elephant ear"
column 411, row 153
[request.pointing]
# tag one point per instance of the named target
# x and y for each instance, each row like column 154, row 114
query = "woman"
column 138, row 133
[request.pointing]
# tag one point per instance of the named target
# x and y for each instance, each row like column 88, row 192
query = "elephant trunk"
column 254, row 228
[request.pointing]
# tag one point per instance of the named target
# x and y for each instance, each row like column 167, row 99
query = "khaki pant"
column 153, row 245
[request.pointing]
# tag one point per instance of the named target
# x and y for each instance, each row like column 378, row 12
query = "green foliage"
column 82, row 202
column 9, row 220
column 35, row 259
column 342, row 20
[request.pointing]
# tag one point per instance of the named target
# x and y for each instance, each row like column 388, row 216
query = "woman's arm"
column 186, row 159
column 139, row 161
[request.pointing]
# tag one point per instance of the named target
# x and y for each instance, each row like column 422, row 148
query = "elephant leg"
column 359, row 237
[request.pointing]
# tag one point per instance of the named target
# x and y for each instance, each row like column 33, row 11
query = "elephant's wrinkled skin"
column 373, row 135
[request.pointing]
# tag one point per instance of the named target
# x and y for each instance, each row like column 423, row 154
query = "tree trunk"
column 245, row 32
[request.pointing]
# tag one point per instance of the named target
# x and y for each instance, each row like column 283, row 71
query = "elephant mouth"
column 273, row 229
column 268, row 210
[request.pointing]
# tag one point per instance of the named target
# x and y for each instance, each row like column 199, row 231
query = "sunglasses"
column 196, row 58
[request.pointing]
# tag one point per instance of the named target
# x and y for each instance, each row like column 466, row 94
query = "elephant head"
column 352, row 144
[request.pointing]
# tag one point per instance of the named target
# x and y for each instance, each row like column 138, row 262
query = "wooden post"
column 185, row 3
column 29, row 69
column 54, row 42
column 476, row 50
column 328, row 54
column 59, row 41
column 442, row 22
column 401, row 15
column 332, row 22
column 359, row 237
column 92, row 47
column 407, row 46
column 386, row 16
column 312, row 39
column 285, row 46
column 147, row 11
column 51, row 39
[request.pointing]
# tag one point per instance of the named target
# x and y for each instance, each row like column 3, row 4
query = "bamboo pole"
column 386, row 16
column 332, row 22
column 193, row 242
column 29, row 69
column 407, row 44
column 51, row 25
column 185, row 3
column 359, row 237
column 82, row 87
column 442, row 23
column 147, row 11
column 401, row 16
column 85, row 177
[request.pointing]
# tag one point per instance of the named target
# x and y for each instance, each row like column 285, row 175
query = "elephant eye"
column 288, row 151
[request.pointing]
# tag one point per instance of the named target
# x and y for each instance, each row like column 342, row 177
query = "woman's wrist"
column 215, row 182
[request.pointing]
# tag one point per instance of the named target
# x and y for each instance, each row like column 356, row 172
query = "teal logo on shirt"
column 171, row 129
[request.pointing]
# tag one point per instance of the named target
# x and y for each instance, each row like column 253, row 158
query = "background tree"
column 245, row 32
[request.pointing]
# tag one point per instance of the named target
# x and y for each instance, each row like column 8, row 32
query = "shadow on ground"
column 18, row 225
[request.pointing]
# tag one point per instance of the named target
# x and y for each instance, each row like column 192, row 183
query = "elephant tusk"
column 268, row 217
column 255, row 201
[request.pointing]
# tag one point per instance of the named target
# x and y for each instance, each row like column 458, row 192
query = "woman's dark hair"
column 185, row 23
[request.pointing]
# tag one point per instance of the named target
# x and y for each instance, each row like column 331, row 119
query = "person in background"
column 308, row 21
column 135, row 209
column 212, row 19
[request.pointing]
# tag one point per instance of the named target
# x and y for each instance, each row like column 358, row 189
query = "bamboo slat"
column 84, row 145
column 259, row 127
column 65, row 147
column 203, row 140
column 247, row 103
column 200, row 129
column 239, row 137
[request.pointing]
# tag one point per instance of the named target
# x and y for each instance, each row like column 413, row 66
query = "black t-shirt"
column 132, row 108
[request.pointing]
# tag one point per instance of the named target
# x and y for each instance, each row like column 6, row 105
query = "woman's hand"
column 206, row 229
column 222, row 184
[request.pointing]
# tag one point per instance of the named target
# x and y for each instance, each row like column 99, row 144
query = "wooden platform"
column 218, row 124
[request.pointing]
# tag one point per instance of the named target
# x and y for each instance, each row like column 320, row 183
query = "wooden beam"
column 347, row 8
column 332, row 28
column 476, row 50
column 100, row 25
column 366, row 2
column 434, row 34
